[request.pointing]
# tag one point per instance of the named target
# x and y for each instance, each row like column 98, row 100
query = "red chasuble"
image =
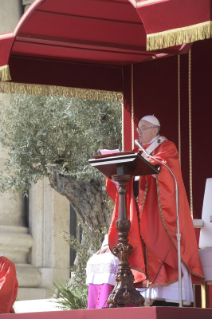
column 153, row 225
column 8, row 285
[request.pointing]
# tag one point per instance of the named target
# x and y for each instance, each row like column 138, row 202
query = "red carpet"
column 124, row 313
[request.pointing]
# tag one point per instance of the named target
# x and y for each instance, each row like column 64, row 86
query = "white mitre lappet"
column 151, row 119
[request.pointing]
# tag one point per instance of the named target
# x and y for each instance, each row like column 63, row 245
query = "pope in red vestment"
column 153, row 220
column 8, row 285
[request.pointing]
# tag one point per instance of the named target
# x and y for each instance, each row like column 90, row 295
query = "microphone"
column 178, row 235
column 139, row 145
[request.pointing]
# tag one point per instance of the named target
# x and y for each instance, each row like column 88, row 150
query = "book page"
column 106, row 151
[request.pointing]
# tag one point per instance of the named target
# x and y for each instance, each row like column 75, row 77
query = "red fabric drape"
column 8, row 285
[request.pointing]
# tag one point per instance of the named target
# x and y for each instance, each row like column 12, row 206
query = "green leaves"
column 40, row 132
column 70, row 300
column 73, row 294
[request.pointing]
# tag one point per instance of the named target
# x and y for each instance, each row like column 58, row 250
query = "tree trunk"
column 91, row 204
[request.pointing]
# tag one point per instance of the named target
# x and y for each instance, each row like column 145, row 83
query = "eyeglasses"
column 144, row 129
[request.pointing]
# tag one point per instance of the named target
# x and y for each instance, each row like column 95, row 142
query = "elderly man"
column 153, row 230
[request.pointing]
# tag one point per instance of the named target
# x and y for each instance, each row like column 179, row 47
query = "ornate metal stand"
column 124, row 291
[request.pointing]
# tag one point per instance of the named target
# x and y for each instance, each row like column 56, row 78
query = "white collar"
column 154, row 139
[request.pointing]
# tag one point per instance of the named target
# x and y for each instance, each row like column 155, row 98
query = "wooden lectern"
column 121, row 167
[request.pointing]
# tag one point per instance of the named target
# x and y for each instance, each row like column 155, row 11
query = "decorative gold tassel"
column 60, row 91
column 5, row 73
column 170, row 38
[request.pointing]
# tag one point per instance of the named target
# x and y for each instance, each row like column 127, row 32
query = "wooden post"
column 124, row 291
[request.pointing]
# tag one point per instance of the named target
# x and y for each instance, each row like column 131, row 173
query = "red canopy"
column 110, row 32
column 98, row 44
column 174, row 22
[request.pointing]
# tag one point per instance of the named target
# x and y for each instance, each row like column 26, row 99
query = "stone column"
column 49, row 216
column 10, row 14
column 26, row 4
column 15, row 240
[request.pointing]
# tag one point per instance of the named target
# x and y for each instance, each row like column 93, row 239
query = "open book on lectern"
column 133, row 163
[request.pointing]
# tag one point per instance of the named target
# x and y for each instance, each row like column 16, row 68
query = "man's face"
column 146, row 131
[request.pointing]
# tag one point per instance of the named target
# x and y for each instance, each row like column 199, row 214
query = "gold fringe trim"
column 166, row 284
column 123, row 108
column 144, row 196
column 161, row 213
column 190, row 134
column 179, row 110
column 60, row 91
column 139, row 270
column 132, row 107
column 170, row 38
column 146, row 259
column 5, row 73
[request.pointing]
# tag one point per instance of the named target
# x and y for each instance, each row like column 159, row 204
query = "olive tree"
column 55, row 137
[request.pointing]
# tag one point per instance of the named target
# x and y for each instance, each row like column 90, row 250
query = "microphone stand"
column 178, row 235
